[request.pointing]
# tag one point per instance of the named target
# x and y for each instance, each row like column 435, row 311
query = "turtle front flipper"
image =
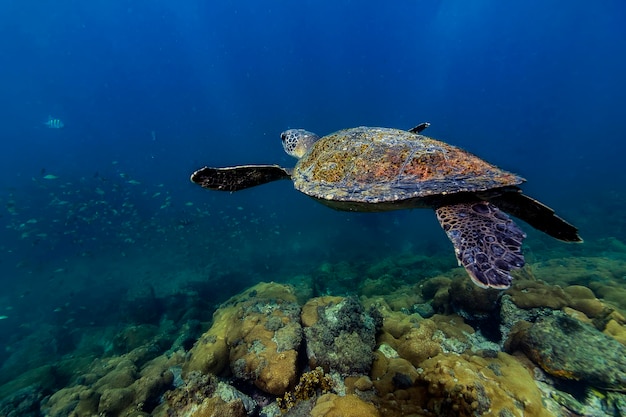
column 239, row 177
column 486, row 241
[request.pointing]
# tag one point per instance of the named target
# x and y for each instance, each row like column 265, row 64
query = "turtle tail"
column 536, row 214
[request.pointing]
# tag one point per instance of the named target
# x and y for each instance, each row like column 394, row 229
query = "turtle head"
column 297, row 142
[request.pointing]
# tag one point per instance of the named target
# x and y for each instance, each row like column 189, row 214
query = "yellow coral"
column 332, row 405
column 244, row 339
column 613, row 328
column 463, row 385
column 309, row 311
column 311, row 383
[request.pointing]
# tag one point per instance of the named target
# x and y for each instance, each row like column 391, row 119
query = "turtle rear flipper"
column 239, row 177
column 419, row 128
column 536, row 214
column 486, row 241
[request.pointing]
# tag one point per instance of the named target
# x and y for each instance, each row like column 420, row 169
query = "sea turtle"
column 380, row 169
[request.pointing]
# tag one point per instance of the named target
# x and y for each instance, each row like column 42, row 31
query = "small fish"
column 4, row 317
column 50, row 177
column 53, row 123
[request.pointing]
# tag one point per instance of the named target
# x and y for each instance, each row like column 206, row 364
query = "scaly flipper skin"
column 239, row 177
column 486, row 241
column 537, row 214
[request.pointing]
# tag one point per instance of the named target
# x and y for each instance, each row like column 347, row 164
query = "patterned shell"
column 372, row 165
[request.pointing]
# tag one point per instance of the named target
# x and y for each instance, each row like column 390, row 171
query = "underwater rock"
column 616, row 330
column 570, row 349
column 188, row 334
column 311, row 385
column 336, row 278
column 418, row 340
column 425, row 310
column 202, row 396
column 132, row 337
column 580, row 270
column 529, row 294
column 255, row 336
column 46, row 379
column 229, row 394
column 114, row 400
column 333, row 405
column 511, row 315
column 23, row 403
column 116, row 386
column 613, row 292
column 593, row 403
column 404, row 268
column 463, row 385
column 340, row 335
column 390, row 374
column 410, row 336
column 65, row 401
column 380, row 285
column 583, row 300
column 405, row 298
column 472, row 302
column 437, row 290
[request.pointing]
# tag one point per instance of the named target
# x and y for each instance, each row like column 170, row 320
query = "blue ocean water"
column 103, row 210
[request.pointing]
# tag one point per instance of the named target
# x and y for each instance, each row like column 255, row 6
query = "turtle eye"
column 283, row 136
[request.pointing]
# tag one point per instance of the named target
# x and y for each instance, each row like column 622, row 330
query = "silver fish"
column 53, row 123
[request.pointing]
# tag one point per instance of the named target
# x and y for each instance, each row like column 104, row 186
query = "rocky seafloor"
column 554, row 344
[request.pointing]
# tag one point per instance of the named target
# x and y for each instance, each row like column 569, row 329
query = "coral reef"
column 203, row 395
column 579, row 270
column 23, row 403
column 311, row 384
column 474, row 386
column 340, row 336
column 428, row 348
column 255, row 336
column 570, row 349
column 528, row 294
column 116, row 386
column 472, row 302
column 332, row 405
column 617, row 330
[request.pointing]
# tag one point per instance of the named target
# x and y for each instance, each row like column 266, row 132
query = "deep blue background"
column 536, row 87
column 519, row 83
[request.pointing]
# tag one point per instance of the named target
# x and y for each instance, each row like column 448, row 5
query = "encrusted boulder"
column 116, row 386
column 468, row 385
column 568, row 348
column 203, row 395
column 255, row 337
column 340, row 335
